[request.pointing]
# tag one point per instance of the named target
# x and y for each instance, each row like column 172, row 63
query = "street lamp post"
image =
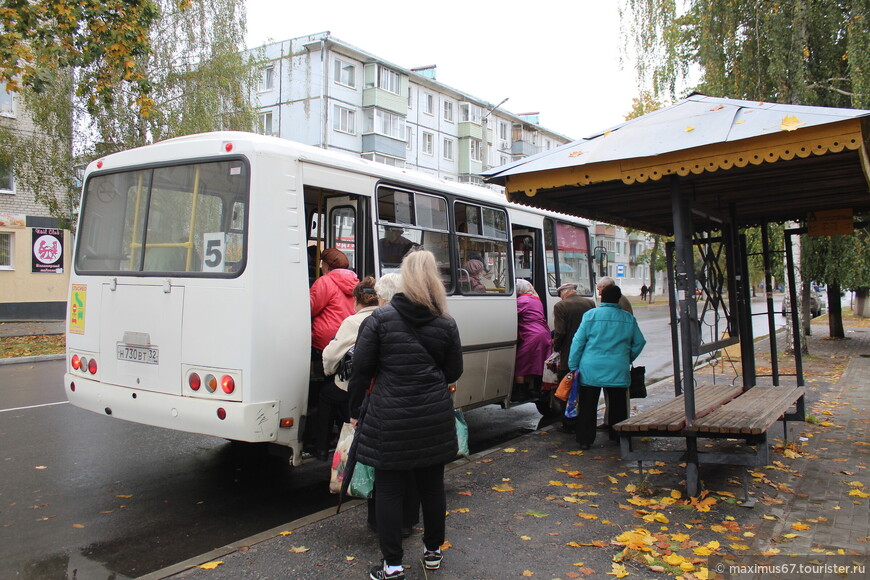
column 484, row 148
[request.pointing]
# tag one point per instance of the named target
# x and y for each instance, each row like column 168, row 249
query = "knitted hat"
column 334, row 258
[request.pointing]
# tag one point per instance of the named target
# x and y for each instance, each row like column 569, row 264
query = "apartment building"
column 322, row 91
column 34, row 253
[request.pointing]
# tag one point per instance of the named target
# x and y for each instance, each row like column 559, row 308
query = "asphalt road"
column 90, row 497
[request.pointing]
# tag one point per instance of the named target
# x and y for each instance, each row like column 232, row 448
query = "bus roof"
column 202, row 145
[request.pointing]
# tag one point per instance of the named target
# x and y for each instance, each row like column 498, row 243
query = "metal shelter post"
column 689, row 329
column 768, row 290
column 672, row 311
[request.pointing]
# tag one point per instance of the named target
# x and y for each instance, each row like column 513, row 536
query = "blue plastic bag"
column 571, row 403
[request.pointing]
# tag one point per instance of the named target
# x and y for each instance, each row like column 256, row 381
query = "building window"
column 265, row 126
column 448, row 111
column 448, row 149
column 429, row 105
column 267, row 79
column 474, row 145
column 385, row 123
column 345, row 73
column 503, row 130
column 6, row 250
column 344, row 120
column 469, row 113
column 388, row 80
column 7, row 104
column 428, row 143
column 386, row 160
column 7, row 183
column 408, row 138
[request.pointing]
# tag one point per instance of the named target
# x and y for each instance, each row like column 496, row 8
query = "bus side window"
column 484, row 263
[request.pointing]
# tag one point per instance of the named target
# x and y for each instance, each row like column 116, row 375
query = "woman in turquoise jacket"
column 602, row 351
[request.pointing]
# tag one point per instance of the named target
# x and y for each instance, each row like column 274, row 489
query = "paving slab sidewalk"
column 540, row 508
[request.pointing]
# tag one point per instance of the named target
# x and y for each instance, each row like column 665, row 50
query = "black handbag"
column 637, row 388
column 345, row 366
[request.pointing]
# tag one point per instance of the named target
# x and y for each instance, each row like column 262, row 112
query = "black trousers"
column 390, row 488
column 587, row 410
column 332, row 406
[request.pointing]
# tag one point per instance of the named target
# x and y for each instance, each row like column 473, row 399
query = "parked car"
column 817, row 304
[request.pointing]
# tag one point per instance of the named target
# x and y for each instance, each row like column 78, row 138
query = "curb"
column 31, row 359
column 324, row 514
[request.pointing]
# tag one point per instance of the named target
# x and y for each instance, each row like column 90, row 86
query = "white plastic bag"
column 339, row 459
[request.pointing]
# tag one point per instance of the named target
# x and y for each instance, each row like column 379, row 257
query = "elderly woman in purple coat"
column 534, row 343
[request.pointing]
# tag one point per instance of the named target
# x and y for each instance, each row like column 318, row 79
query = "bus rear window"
column 182, row 220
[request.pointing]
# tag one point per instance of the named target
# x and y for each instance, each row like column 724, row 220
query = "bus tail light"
column 228, row 384
column 92, row 366
column 76, row 362
column 221, row 413
column 286, row 422
column 194, row 381
column 210, row 383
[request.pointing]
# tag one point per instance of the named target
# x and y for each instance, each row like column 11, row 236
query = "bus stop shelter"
column 701, row 170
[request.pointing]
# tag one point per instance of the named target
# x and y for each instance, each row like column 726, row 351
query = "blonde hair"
column 421, row 282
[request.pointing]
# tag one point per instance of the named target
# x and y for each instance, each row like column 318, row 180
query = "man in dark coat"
column 567, row 315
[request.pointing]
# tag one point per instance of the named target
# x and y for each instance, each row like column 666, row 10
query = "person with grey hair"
column 606, row 281
column 388, row 286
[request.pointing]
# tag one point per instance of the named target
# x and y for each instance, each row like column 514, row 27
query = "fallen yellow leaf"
column 790, row 123
column 618, row 570
column 211, row 565
column 528, row 573
column 298, row 549
column 503, row 487
column 800, row 526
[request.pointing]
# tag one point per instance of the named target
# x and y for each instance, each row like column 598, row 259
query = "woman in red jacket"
column 331, row 297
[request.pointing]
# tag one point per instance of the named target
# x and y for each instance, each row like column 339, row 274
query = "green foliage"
column 197, row 80
column 775, row 242
column 104, row 40
column 837, row 260
column 800, row 51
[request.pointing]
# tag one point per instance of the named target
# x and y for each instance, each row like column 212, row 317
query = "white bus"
column 189, row 304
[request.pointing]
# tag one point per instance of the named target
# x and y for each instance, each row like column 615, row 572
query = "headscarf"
column 525, row 287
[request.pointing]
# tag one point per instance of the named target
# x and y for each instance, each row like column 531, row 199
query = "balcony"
column 524, row 148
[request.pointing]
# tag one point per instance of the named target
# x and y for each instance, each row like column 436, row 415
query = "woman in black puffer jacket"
column 411, row 348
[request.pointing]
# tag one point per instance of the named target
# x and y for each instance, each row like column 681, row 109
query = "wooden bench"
column 721, row 411
column 671, row 416
column 752, row 413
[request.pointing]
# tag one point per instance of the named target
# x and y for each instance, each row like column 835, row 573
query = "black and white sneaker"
column 380, row 573
column 432, row 559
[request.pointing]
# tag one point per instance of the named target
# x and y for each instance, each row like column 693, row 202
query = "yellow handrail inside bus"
column 189, row 243
column 133, row 242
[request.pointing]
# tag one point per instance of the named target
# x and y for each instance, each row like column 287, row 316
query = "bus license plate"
column 138, row 354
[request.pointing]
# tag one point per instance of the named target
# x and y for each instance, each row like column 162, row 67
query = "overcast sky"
column 557, row 57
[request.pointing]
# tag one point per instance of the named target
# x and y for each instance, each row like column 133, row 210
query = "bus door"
column 337, row 221
column 344, row 220
column 529, row 259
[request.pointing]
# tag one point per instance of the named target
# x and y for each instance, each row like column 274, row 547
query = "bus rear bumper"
column 252, row 422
